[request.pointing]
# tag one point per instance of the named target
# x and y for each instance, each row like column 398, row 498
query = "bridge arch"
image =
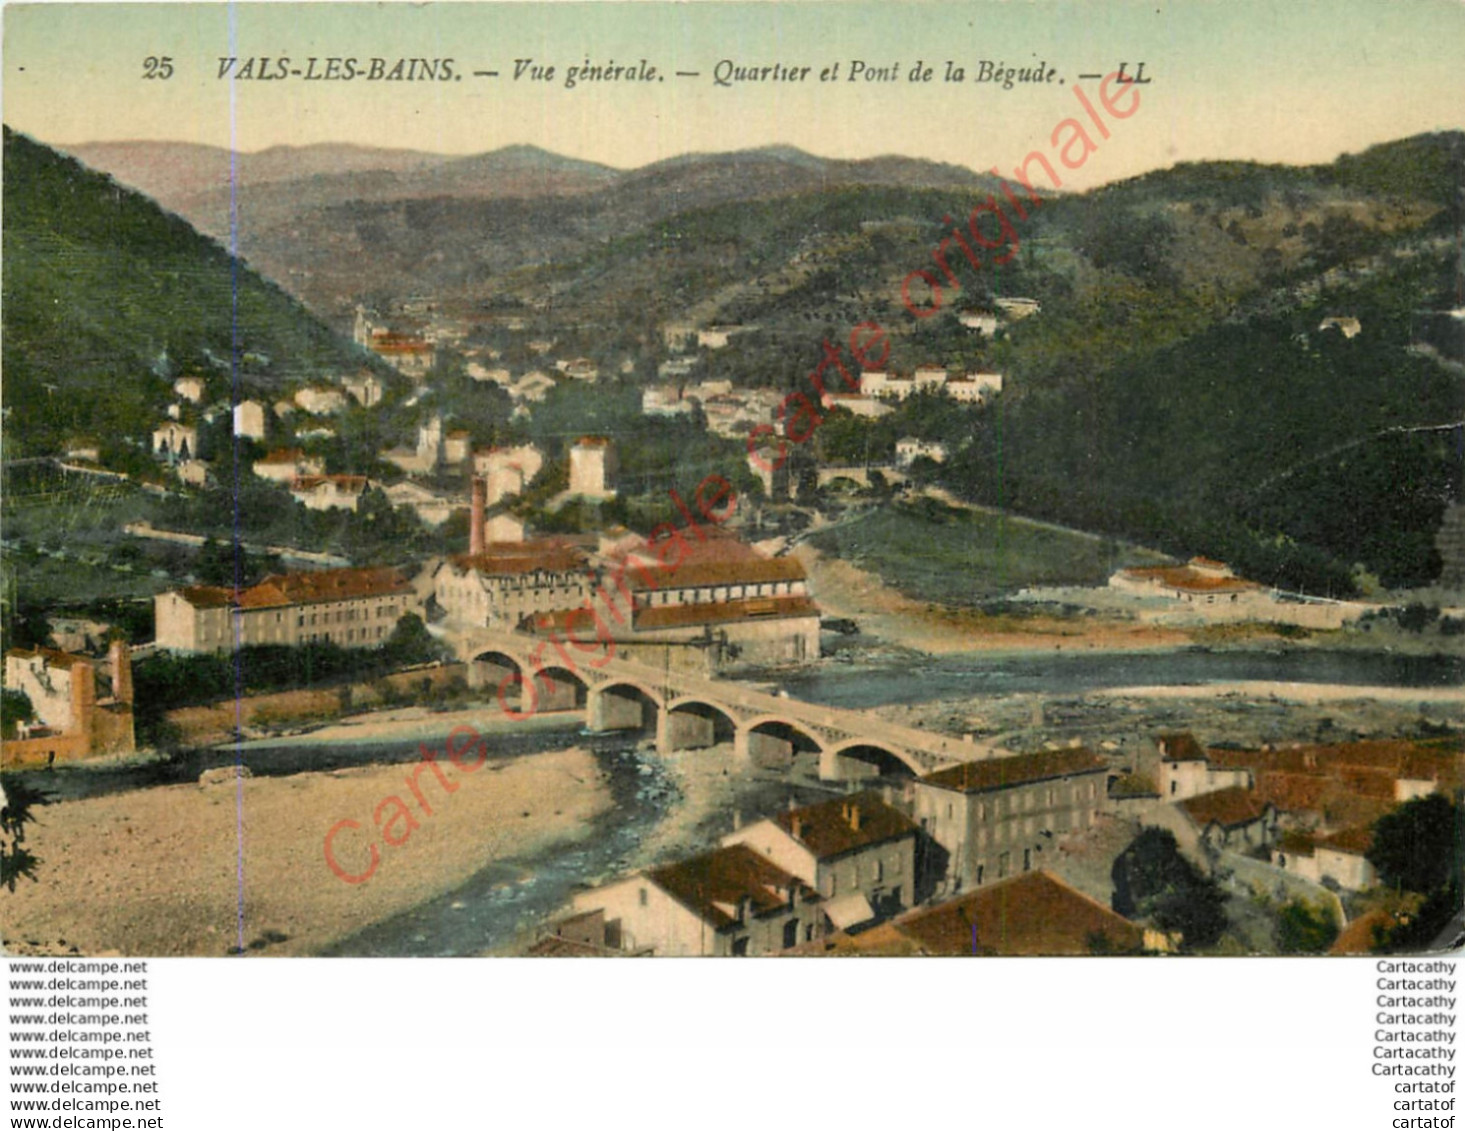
column 773, row 742
column 693, row 723
column 489, row 667
column 623, row 704
column 848, row 760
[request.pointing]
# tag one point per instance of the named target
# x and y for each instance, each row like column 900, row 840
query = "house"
column 1341, row 857
column 593, row 467
column 533, row 386
column 330, row 492
column 320, row 401
column 365, row 388
column 716, row 337
column 1016, row 309
column 285, row 465
column 83, row 706
column 585, row 935
column 675, row 367
column 1030, row 915
column 409, row 354
column 1199, row 580
column 857, row 852
column 1235, row 819
column 250, row 420
column 430, row 507
column 190, row 388
column 355, row 608
column 997, row 817
column 1185, row 771
column 457, row 447
column 929, row 378
column 87, row 451
column 509, row 582
column 908, row 449
column 974, row 388
column 175, row 441
column 717, row 603
column 728, row 902
column 984, row 321
column 194, row 472
column 886, row 385
column 427, row 456
column 665, row 400
column 857, row 403
column 507, row 471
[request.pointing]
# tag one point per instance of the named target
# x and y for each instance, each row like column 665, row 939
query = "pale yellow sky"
column 1284, row 80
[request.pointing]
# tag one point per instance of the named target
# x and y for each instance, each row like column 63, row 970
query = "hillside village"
column 357, row 510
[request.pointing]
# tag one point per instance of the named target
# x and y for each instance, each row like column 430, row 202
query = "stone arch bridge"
column 687, row 711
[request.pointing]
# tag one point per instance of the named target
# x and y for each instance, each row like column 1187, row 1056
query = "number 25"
column 155, row 67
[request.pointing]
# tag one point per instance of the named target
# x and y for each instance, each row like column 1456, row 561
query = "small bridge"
column 686, row 712
column 892, row 474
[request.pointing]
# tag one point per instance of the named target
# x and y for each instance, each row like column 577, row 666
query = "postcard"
column 733, row 479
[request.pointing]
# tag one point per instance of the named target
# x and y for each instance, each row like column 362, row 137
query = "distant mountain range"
column 337, row 223
column 1178, row 387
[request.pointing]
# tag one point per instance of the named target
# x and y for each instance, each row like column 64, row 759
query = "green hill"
column 106, row 296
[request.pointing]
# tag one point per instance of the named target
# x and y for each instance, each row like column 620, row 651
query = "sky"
column 1281, row 81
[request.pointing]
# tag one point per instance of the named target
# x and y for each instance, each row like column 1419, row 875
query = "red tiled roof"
column 828, row 829
column 1226, row 807
column 1180, row 747
column 693, row 573
column 53, row 657
column 1355, row 841
column 207, row 596
column 1032, row 914
column 327, row 585
column 722, row 612
column 1188, row 578
column 1294, row 793
column 727, row 876
column 348, row 484
column 283, row 455
column 1021, row 769
column 513, row 558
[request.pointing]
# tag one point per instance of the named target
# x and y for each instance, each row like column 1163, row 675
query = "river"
column 905, row 681
column 489, row 910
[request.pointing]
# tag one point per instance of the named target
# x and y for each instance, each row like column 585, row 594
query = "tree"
column 15, row 859
column 15, row 708
column 1419, row 845
column 1152, row 880
column 1305, row 928
column 411, row 643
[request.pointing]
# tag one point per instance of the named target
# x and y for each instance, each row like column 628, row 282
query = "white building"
column 285, row 465
column 250, row 420
column 175, row 441
column 908, row 449
column 320, row 401
column 190, row 389
column 593, row 467
column 857, row 852
column 330, row 492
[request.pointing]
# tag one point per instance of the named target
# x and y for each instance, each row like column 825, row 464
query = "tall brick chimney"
column 475, row 516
